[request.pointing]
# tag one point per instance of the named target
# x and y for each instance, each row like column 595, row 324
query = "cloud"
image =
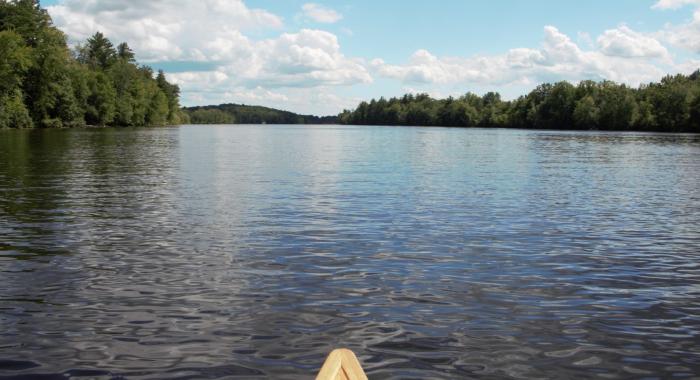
column 625, row 42
column 256, row 95
column 686, row 36
column 217, row 34
column 674, row 4
column 307, row 59
column 559, row 58
column 161, row 30
column 213, row 31
column 319, row 13
column 689, row 67
column 243, row 55
column 268, row 71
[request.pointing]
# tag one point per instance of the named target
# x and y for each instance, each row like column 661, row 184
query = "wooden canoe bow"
column 341, row 364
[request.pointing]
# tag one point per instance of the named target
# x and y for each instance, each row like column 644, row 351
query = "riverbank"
column 672, row 105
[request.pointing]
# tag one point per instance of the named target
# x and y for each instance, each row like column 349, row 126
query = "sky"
column 325, row 56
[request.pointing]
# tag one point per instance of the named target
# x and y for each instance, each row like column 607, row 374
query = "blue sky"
column 320, row 57
column 395, row 29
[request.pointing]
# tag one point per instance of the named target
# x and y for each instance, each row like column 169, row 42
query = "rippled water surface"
column 251, row 251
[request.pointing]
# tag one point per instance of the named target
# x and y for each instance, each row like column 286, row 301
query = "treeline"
column 243, row 114
column 673, row 105
column 45, row 84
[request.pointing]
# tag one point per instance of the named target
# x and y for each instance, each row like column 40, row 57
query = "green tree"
column 13, row 113
column 172, row 94
column 617, row 105
column 157, row 113
column 26, row 18
column 586, row 113
column 646, row 119
column 15, row 60
column 125, row 53
column 671, row 100
column 123, row 74
column 47, row 84
column 140, row 98
column 672, row 105
column 98, row 52
column 211, row 116
column 694, row 117
column 553, row 106
column 42, row 84
column 421, row 111
column 458, row 113
column 101, row 103
column 492, row 112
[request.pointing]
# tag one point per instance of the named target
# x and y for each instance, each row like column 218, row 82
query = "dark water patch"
column 16, row 365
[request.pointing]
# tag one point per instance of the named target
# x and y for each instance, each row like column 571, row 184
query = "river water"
column 215, row 252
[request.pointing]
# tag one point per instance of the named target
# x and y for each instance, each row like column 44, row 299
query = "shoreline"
column 361, row 125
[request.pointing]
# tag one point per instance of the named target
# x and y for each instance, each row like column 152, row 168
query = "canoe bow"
column 341, row 364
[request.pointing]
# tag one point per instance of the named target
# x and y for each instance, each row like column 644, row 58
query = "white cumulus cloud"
column 620, row 58
column 625, row 42
column 214, row 31
column 161, row 29
column 249, row 55
column 674, row 4
column 308, row 58
column 320, row 13
column 219, row 33
column 686, row 36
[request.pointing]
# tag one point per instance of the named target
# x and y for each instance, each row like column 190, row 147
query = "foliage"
column 243, row 114
column 125, row 53
column 211, row 116
column 15, row 60
column 13, row 113
column 673, row 105
column 44, row 84
column 98, row 52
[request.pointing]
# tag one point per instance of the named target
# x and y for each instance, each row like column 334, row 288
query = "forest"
column 45, row 84
column 672, row 105
column 245, row 114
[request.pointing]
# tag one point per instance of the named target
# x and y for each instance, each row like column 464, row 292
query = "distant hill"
column 244, row 114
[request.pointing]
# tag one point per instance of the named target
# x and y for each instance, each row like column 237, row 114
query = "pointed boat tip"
column 341, row 364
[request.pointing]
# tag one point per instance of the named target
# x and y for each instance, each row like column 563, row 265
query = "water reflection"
column 250, row 251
